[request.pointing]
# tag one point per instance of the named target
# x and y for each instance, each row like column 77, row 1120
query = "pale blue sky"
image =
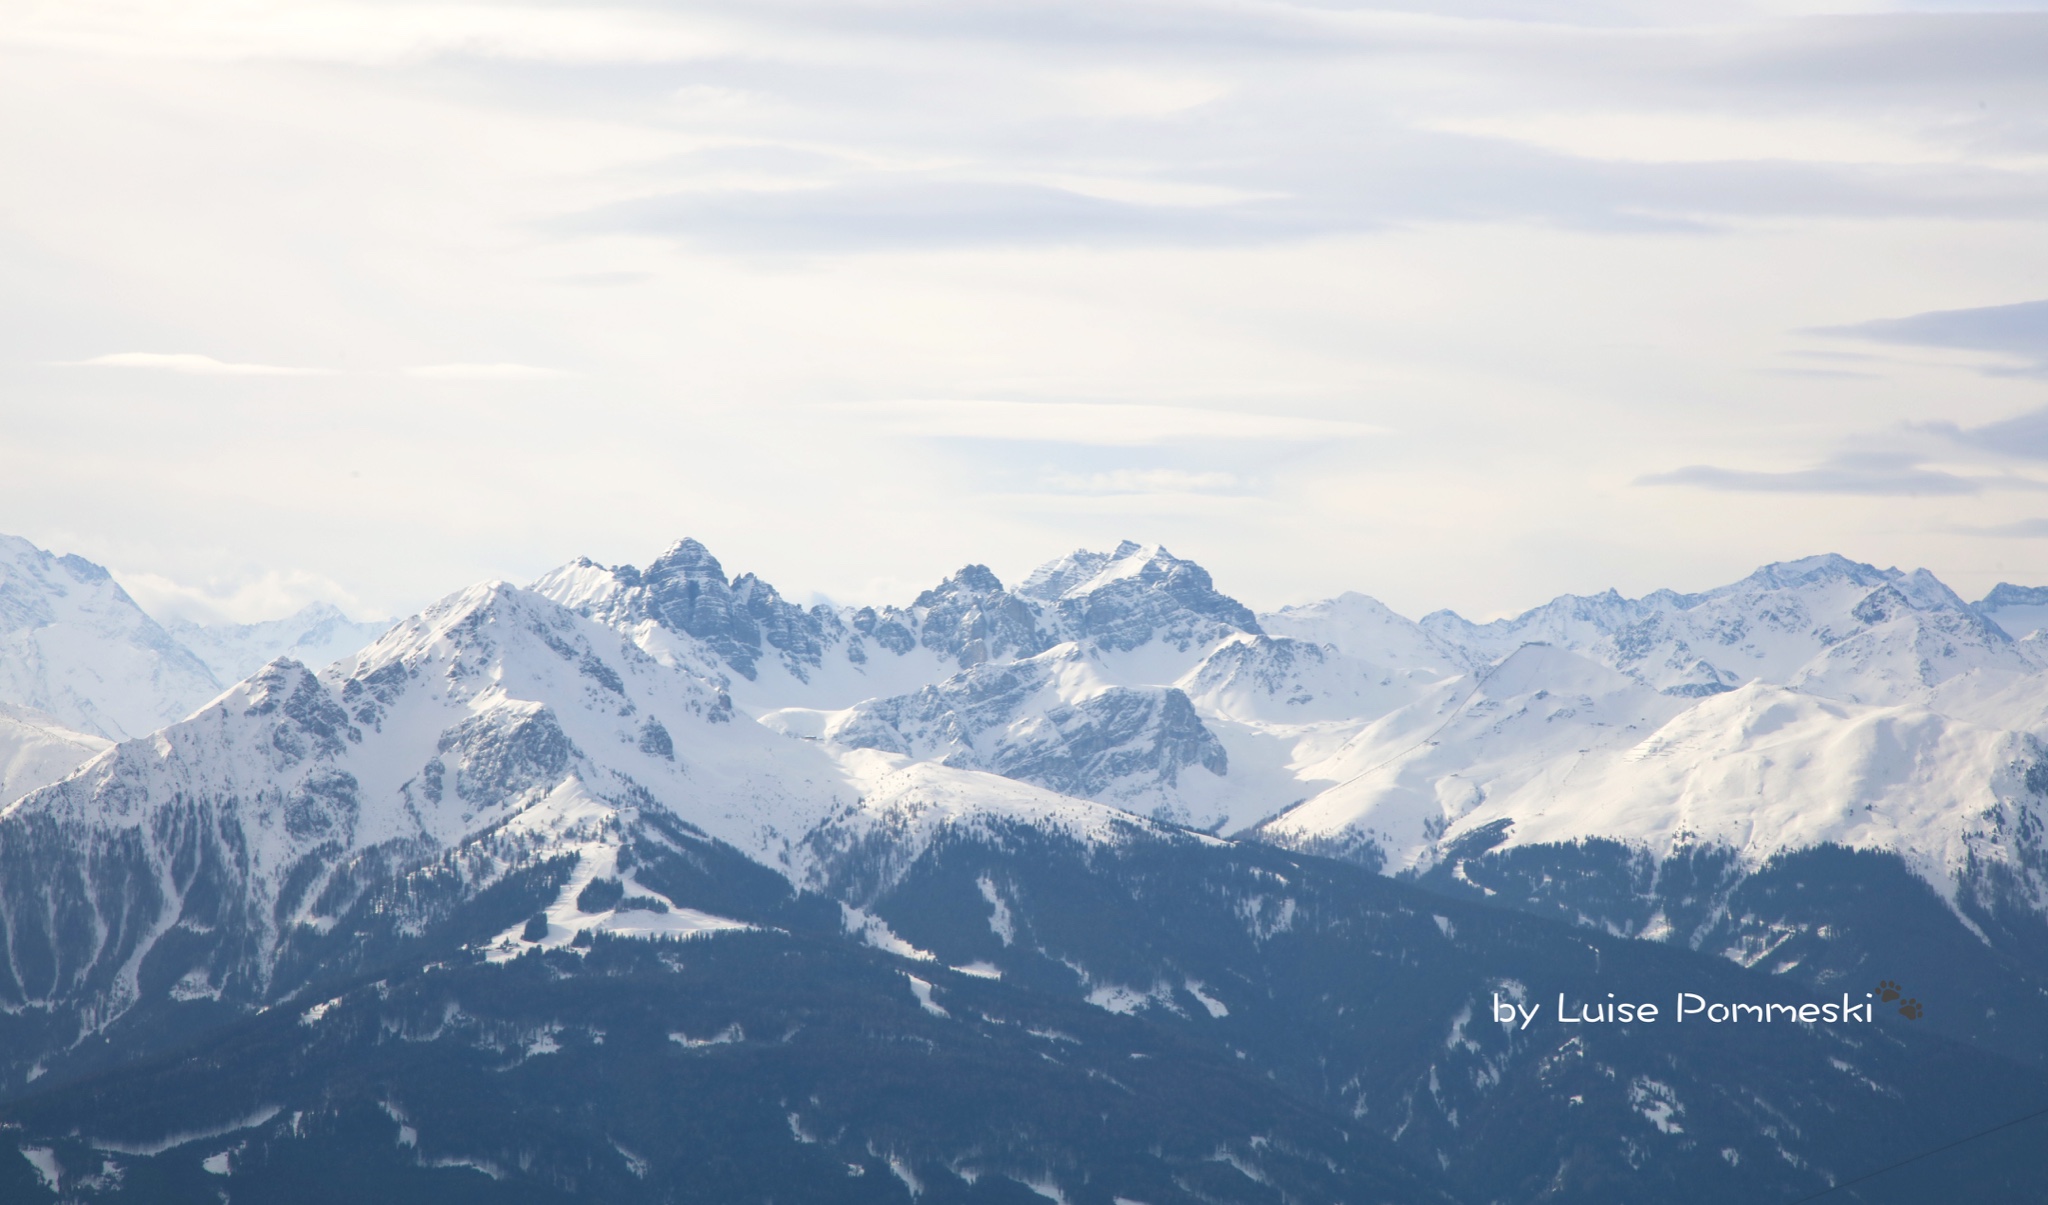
column 1465, row 305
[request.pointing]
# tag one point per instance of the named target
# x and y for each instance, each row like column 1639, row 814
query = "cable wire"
column 1892, row 1167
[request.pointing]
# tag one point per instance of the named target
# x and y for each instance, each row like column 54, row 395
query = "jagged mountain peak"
column 1122, row 599
column 1071, row 573
column 971, row 618
column 687, row 560
column 1083, row 572
column 1809, row 570
column 495, row 721
column 970, row 579
column 1823, row 565
column 685, row 591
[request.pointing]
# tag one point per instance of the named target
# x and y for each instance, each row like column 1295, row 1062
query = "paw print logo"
column 1911, row 1010
column 1889, row 991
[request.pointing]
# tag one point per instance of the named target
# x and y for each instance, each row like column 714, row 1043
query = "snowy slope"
column 316, row 636
column 36, row 751
column 1365, row 628
column 1416, row 778
column 1757, row 771
column 1284, row 681
column 1124, row 677
column 74, row 646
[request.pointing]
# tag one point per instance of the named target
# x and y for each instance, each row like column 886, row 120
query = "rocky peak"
column 1813, row 570
column 972, row 618
column 685, row 590
column 1126, row 598
column 1055, row 579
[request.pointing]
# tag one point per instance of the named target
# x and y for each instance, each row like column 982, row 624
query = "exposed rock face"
column 685, row 589
column 1045, row 721
column 971, row 618
column 1113, row 601
column 1126, row 598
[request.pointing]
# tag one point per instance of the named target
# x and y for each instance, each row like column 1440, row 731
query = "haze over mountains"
column 1722, row 781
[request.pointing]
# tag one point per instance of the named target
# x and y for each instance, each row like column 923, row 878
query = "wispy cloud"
column 2024, row 436
column 191, row 364
column 2019, row 331
column 1105, row 423
column 374, row 35
column 483, row 372
column 246, row 597
column 1876, row 474
column 1144, row 481
column 2021, row 529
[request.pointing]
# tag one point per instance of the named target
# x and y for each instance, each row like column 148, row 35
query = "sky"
column 1461, row 305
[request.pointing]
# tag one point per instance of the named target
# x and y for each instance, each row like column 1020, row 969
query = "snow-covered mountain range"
column 667, row 751
column 1816, row 701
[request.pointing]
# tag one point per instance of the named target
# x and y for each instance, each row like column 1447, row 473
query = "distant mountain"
column 74, row 646
column 317, row 635
column 2019, row 611
column 1885, row 633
